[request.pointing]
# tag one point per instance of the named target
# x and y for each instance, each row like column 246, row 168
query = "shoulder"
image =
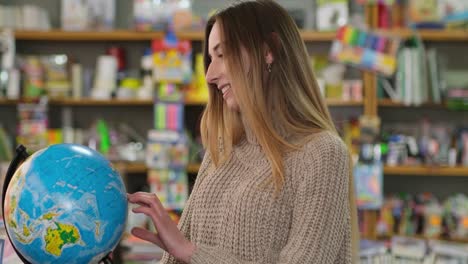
column 323, row 145
column 323, row 153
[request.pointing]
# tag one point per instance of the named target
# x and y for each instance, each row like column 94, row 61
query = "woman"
column 275, row 184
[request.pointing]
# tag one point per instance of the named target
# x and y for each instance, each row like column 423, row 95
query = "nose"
column 212, row 75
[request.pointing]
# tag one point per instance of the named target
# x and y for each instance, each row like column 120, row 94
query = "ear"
column 275, row 41
column 268, row 56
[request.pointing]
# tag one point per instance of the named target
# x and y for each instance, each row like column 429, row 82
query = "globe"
column 65, row 204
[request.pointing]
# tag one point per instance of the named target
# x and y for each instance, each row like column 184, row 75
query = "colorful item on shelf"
column 102, row 131
column 433, row 219
column 456, row 216
column 170, row 186
column 172, row 60
column 170, row 92
column 424, row 216
column 169, row 107
column 166, row 149
column 32, row 125
column 54, row 136
column 421, row 11
column 368, row 180
column 57, row 81
column 169, row 116
column 365, row 49
column 454, row 13
column 34, row 76
column 385, row 221
column 425, row 142
column 197, row 92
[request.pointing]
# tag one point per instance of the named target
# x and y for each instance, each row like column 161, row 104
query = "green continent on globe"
column 11, row 213
column 57, row 238
column 49, row 216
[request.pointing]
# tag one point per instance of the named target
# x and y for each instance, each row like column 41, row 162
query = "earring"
column 269, row 67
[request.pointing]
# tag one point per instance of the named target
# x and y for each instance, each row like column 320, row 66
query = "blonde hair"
column 285, row 99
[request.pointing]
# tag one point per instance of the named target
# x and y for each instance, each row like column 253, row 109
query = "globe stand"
column 20, row 156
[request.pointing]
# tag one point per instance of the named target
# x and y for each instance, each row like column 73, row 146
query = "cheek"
column 225, row 71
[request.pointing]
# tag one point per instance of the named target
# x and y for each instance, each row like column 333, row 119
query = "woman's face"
column 217, row 74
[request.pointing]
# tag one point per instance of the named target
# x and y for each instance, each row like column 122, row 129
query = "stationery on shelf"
column 365, row 49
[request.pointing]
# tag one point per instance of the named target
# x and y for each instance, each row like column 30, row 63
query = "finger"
column 136, row 197
column 140, row 196
column 148, row 236
column 157, row 216
column 143, row 210
column 149, row 199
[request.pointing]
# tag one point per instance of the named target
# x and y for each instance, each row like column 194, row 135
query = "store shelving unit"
column 426, row 171
column 140, row 102
column 139, row 167
column 430, row 34
column 370, row 104
column 390, row 103
column 126, row 35
column 421, row 171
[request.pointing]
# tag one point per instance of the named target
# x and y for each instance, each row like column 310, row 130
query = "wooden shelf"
column 426, row 171
column 138, row 167
column 193, row 168
column 92, row 102
column 318, row 36
column 429, row 35
column 58, row 35
column 138, row 102
column 458, row 240
column 390, row 103
column 338, row 102
column 8, row 102
column 95, row 102
column 131, row 167
column 129, row 35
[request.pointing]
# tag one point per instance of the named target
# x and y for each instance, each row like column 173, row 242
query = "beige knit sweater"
column 232, row 216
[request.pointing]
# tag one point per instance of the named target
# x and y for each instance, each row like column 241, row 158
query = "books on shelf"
column 411, row 84
column 87, row 15
column 28, row 17
column 419, row 78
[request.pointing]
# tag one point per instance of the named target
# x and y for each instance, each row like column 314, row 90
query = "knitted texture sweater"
column 234, row 216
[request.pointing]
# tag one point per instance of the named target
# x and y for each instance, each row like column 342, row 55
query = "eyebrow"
column 216, row 47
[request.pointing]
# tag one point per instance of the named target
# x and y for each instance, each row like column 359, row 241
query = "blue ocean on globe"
column 65, row 204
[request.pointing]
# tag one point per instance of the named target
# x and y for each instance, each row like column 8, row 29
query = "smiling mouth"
column 225, row 88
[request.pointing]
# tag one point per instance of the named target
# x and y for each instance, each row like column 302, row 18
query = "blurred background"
column 126, row 78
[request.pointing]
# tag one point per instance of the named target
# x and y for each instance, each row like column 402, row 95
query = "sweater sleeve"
column 185, row 220
column 321, row 218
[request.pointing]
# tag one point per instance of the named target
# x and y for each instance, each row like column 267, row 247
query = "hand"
column 168, row 236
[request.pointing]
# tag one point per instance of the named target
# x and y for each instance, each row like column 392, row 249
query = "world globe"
column 65, row 204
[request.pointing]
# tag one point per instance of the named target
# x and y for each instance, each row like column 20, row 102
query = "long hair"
column 287, row 98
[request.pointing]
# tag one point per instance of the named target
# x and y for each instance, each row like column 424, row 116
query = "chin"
column 231, row 104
